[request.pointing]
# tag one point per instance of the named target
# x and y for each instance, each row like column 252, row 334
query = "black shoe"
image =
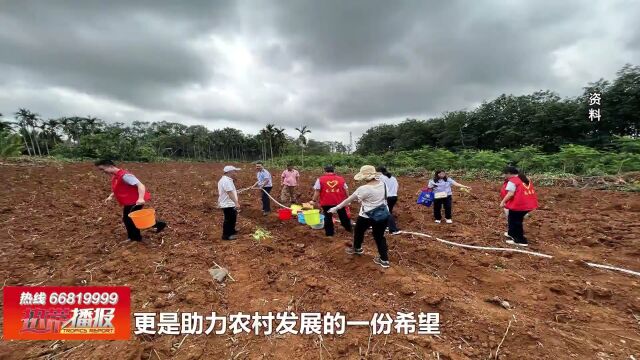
column 352, row 251
column 384, row 263
column 160, row 225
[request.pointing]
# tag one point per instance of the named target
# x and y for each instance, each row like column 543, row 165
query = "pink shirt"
column 290, row 178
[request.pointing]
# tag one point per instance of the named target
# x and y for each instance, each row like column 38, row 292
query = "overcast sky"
column 337, row 66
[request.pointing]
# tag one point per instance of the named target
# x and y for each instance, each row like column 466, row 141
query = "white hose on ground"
column 599, row 266
column 274, row 200
column 614, row 268
column 478, row 247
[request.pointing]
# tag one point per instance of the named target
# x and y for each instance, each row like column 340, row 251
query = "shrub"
column 10, row 144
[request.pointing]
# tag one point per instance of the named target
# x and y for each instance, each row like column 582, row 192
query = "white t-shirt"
column 510, row 186
column 130, row 179
column 226, row 184
column 369, row 196
column 392, row 185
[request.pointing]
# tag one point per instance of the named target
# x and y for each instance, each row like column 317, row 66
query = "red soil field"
column 56, row 230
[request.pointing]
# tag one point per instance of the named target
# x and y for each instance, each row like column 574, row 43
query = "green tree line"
column 79, row 137
column 541, row 119
column 540, row 131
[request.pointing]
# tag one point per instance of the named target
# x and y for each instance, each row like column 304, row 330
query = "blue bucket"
column 301, row 218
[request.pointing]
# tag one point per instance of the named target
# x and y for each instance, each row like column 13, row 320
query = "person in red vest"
column 331, row 190
column 520, row 198
column 130, row 193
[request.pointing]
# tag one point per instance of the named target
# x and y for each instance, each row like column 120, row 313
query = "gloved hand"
column 333, row 210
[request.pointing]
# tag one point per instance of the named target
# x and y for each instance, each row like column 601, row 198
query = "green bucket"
column 311, row 217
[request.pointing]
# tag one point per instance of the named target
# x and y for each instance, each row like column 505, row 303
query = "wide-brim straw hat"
column 367, row 172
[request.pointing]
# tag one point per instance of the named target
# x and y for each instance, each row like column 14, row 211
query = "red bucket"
column 284, row 214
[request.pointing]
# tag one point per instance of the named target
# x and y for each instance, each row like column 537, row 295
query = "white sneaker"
column 506, row 234
column 510, row 241
column 438, row 221
column 449, row 221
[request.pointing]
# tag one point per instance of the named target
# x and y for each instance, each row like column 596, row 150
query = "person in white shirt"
column 372, row 195
column 441, row 185
column 264, row 184
column 228, row 202
column 392, row 196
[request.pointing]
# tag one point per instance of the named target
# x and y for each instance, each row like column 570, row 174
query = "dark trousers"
column 266, row 202
column 133, row 233
column 391, row 202
column 328, row 220
column 378, row 227
column 229, row 222
column 516, row 226
column 437, row 207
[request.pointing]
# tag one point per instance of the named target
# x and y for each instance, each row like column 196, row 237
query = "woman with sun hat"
column 374, row 213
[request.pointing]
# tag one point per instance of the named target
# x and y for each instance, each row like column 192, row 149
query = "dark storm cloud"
column 117, row 49
column 333, row 64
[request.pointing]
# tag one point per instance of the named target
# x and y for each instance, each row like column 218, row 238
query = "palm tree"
column 72, row 127
column 49, row 128
column 302, row 139
column 280, row 140
column 34, row 122
column 26, row 119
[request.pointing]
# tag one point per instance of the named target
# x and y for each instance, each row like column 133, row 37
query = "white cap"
column 230, row 168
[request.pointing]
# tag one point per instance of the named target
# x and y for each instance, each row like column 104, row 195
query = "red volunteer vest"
column 525, row 197
column 503, row 190
column 125, row 194
column 332, row 190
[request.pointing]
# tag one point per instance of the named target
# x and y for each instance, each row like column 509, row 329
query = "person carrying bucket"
column 331, row 189
column 441, row 186
column 130, row 193
column 520, row 199
column 290, row 177
column 392, row 196
column 265, row 184
column 228, row 202
column 374, row 213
